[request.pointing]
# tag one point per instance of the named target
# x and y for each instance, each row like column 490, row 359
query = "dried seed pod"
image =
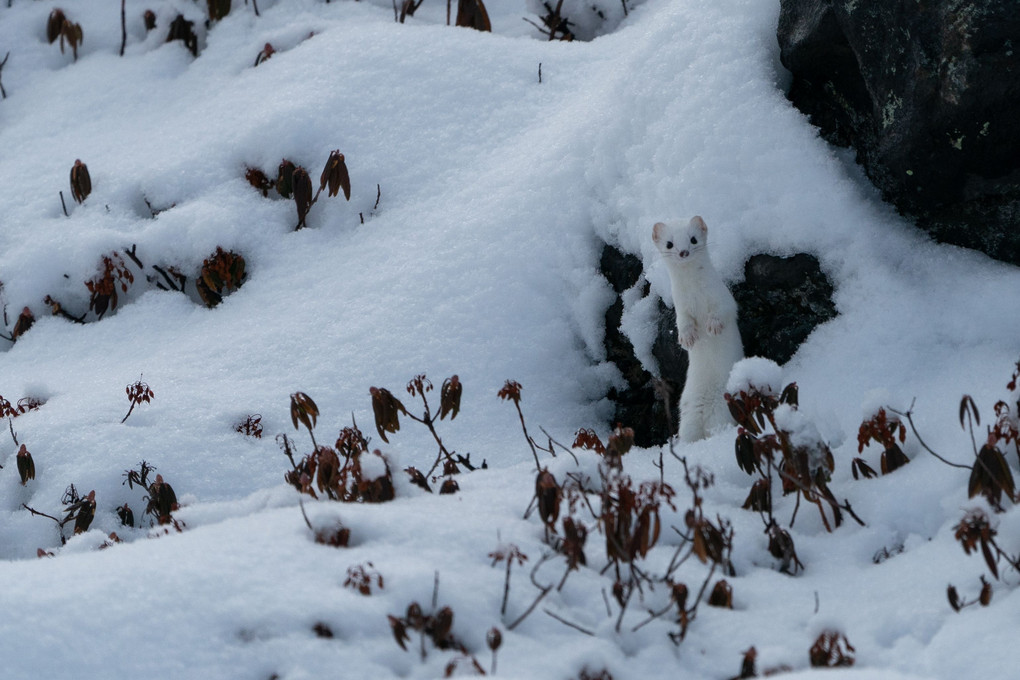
column 549, row 494
column 24, row 322
column 127, row 518
column 302, row 186
column 414, row 617
column 893, row 458
column 442, row 624
column 679, row 595
column 81, row 182
column 449, row 399
column 722, row 595
column 335, row 175
column 985, row 598
column 493, row 638
column 450, row 486
column 54, row 24
column 26, row 466
column 285, row 179
column 150, row 20
column 72, row 34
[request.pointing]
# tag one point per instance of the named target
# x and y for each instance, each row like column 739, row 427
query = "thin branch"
column 63, row 205
column 43, row 514
column 553, row 441
column 2, row 63
column 571, row 624
column 123, row 28
column 909, row 416
column 544, row 590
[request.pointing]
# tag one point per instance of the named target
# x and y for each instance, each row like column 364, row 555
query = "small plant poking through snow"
column 250, row 426
column 362, row 578
column 831, row 650
column 293, row 181
column 59, row 26
column 184, row 30
column 884, row 430
column 81, row 181
column 137, row 393
column 113, row 275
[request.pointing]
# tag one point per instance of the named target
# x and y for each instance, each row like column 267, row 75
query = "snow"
column 496, row 193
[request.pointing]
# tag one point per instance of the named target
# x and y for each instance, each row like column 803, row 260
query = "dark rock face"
column 638, row 405
column 780, row 301
column 928, row 93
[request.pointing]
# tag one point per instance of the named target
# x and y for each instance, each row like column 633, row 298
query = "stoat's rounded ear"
column 657, row 231
column 696, row 221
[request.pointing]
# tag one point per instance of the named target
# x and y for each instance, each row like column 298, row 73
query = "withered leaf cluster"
column 362, row 577
column 81, row 182
column 81, row 510
column 721, row 595
column 303, row 410
column 24, row 322
column 59, row 26
column 554, row 24
column 472, row 14
column 548, row 495
column 221, row 272
column 114, row 275
column 386, row 408
column 587, row 439
column 435, row 627
column 162, row 501
column 630, row 517
column 804, row 468
column 991, row 477
column 293, row 181
column 831, row 650
column 250, row 426
column 335, row 175
column 183, row 30
column 884, row 430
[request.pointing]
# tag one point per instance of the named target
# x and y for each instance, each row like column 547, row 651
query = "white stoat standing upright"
column 706, row 320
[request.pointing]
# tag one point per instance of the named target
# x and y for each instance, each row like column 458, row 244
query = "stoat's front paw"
column 688, row 335
column 715, row 326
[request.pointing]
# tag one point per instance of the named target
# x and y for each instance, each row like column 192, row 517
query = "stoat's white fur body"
column 706, row 320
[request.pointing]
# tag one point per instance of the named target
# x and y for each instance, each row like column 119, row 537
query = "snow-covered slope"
column 486, row 171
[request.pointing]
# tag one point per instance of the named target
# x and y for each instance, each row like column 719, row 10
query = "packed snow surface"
column 487, row 171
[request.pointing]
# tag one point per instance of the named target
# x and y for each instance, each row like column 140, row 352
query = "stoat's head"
column 679, row 241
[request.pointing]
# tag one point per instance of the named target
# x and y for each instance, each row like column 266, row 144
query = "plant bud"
column 81, row 183
column 336, row 176
column 26, row 466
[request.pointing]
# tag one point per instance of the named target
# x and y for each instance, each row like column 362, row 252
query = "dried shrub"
column 81, row 182
column 250, row 426
column 221, row 273
column 630, row 518
column 554, row 25
column 831, row 650
column 362, row 578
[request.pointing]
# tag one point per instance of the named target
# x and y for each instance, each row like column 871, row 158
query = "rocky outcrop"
column 780, row 302
column 928, row 93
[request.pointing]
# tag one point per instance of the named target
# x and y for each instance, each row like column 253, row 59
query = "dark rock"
column 638, row 405
column 928, row 93
column 780, row 302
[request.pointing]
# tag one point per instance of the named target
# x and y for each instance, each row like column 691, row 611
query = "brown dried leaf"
column 449, row 399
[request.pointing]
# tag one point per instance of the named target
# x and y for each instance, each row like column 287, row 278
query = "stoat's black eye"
column 669, row 244
column 694, row 241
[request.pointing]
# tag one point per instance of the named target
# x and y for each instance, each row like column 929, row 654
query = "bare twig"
column 63, row 205
column 2, row 63
column 123, row 28
column 571, row 624
column 909, row 416
column 543, row 591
